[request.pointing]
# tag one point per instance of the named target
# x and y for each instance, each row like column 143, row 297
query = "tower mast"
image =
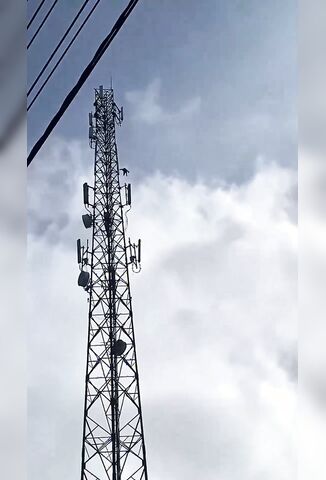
column 113, row 438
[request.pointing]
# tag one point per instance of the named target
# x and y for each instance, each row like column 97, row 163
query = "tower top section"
column 106, row 110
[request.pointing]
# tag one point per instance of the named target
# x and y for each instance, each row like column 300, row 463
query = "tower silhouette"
column 113, row 437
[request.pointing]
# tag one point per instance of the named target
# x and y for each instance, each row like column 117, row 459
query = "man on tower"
column 124, row 171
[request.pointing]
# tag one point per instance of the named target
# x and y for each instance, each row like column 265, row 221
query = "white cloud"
column 215, row 318
column 12, row 339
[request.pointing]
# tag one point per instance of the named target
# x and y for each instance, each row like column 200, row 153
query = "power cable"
column 35, row 14
column 42, row 23
column 82, row 79
column 58, row 46
column 62, row 56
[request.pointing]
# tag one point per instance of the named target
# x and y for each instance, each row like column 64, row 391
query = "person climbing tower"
column 124, row 171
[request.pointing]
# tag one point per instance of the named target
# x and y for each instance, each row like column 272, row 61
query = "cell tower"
column 113, row 438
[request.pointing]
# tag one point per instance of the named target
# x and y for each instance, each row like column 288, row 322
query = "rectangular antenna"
column 79, row 256
column 121, row 114
column 101, row 91
column 85, row 192
column 139, row 251
column 91, row 133
column 90, row 119
column 129, row 194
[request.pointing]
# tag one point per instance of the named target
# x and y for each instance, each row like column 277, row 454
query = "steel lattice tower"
column 113, row 438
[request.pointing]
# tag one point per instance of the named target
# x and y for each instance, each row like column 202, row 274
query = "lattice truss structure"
column 113, row 438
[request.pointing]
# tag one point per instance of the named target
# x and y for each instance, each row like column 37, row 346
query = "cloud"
column 147, row 108
column 201, row 134
column 52, row 182
column 215, row 319
column 12, row 321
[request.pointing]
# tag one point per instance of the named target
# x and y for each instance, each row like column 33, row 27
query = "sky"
column 209, row 94
column 232, row 63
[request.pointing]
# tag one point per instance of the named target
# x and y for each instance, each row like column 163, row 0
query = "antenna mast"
column 113, row 438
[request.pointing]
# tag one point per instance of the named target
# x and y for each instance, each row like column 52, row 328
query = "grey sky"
column 237, row 58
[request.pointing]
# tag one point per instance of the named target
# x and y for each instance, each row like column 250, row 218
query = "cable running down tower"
column 113, row 438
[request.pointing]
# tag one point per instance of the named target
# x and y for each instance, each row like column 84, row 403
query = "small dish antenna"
column 119, row 347
column 83, row 279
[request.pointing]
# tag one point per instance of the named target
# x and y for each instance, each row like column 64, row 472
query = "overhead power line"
column 58, row 45
column 42, row 23
column 62, row 55
column 35, row 14
column 82, row 79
